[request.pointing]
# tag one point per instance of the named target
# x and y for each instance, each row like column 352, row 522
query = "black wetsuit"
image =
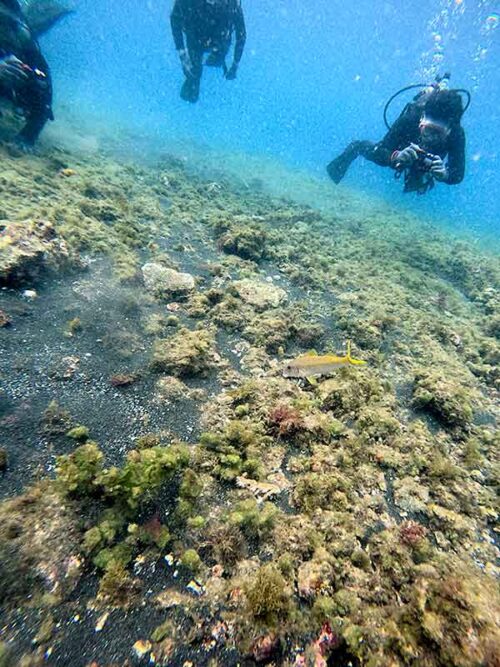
column 204, row 26
column 33, row 96
column 404, row 132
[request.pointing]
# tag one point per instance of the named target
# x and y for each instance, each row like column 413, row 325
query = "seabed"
column 169, row 498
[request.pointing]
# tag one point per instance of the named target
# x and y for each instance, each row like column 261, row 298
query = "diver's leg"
column 34, row 99
column 190, row 90
column 31, row 131
column 338, row 167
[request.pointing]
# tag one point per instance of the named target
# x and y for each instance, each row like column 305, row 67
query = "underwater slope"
column 171, row 498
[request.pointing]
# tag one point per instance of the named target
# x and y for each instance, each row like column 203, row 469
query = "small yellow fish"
column 311, row 365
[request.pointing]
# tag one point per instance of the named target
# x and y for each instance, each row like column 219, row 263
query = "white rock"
column 162, row 281
column 260, row 294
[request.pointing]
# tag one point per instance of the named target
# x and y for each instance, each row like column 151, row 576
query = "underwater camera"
column 424, row 160
column 418, row 177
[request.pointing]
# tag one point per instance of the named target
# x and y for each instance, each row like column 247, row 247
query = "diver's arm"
column 177, row 24
column 37, row 105
column 456, row 157
column 240, row 33
column 399, row 136
column 34, row 57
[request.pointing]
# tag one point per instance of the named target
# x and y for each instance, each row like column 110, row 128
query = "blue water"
column 314, row 76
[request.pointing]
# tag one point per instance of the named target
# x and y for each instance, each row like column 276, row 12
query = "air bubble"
column 492, row 21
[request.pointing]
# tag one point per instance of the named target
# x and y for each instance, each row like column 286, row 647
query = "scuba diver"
column 426, row 143
column 24, row 74
column 206, row 26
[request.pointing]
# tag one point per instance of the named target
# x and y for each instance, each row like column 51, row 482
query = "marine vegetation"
column 171, row 495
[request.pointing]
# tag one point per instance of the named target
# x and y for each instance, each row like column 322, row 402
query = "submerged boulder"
column 39, row 546
column 29, row 248
column 165, row 282
column 261, row 295
column 185, row 354
column 246, row 240
column 447, row 399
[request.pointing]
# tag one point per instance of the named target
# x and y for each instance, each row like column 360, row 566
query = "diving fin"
column 337, row 168
column 42, row 15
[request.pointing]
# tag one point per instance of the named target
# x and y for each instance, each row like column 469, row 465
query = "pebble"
column 141, row 648
column 173, row 307
column 30, row 294
column 5, row 320
column 101, row 622
column 195, row 588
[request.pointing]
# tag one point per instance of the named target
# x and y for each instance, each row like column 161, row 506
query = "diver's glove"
column 231, row 73
column 187, row 65
column 406, row 157
column 438, row 169
column 12, row 72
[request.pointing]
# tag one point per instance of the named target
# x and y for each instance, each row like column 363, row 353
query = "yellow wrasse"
column 312, row 365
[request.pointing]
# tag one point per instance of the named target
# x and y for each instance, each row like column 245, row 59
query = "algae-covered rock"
column 351, row 390
column 142, row 475
column 76, row 472
column 269, row 331
column 259, row 294
column 446, row 399
column 187, row 353
column 171, row 388
column 39, row 546
column 165, row 282
column 268, row 595
column 29, row 248
column 325, row 491
column 314, row 578
column 190, row 560
column 411, row 495
column 248, row 241
column 78, row 433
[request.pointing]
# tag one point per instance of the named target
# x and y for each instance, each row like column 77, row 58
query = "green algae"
column 191, row 560
column 143, row 473
column 256, row 522
column 267, row 595
column 77, row 472
column 244, row 239
column 78, row 433
column 186, row 354
column 449, row 402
